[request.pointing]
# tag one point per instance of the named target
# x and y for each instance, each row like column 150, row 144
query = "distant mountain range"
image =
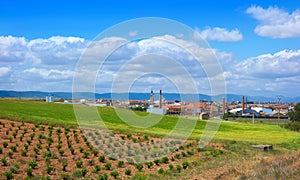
column 140, row 96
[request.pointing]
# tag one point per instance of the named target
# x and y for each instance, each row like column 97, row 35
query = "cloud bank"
column 275, row 22
column 49, row 65
column 220, row 34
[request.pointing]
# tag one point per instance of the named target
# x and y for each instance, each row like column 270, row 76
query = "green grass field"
column 63, row 115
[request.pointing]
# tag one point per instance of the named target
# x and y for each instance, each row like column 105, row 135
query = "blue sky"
column 257, row 42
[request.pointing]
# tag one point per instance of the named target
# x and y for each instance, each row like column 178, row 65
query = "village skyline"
column 255, row 43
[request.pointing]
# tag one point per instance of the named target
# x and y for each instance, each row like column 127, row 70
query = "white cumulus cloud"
column 285, row 63
column 266, row 74
column 4, row 71
column 220, row 34
column 13, row 49
column 49, row 74
column 275, row 22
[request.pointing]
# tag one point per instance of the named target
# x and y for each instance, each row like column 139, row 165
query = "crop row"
column 41, row 151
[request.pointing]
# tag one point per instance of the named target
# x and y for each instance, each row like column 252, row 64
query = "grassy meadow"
column 228, row 156
column 63, row 115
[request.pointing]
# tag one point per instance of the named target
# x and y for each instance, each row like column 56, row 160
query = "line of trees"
column 294, row 116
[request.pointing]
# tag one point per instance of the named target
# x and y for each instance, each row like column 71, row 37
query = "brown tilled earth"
column 203, row 164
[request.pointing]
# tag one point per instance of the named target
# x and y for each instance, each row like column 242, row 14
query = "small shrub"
column 165, row 160
column 15, row 134
column 97, row 167
column 14, row 169
column 33, row 164
column 39, row 146
column 9, row 175
column 58, row 131
column 50, row 155
column 114, row 174
column 26, row 146
column 64, row 165
column 24, row 152
column 36, row 150
column 5, row 144
column 47, row 160
column 107, row 165
column 85, row 154
column 28, row 141
column 160, row 171
column 190, row 153
column 59, row 146
column 134, row 140
column 171, row 167
column 95, row 152
column 4, row 161
column 68, row 136
column 103, row 177
column 156, row 161
column 32, row 136
column 101, row 158
column 13, row 148
column 10, row 154
column 77, row 174
column 49, row 169
column 10, row 138
column 112, row 157
column 79, row 164
column 81, row 149
column 146, row 137
column 49, row 140
column 42, row 128
column 29, row 171
column 72, row 150
column 84, row 171
column 61, row 152
column 185, row 164
column 128, row 172
column 139, row 167
column 69, row 144
column 85, row 139
column 64, row 176
column 120, row 164
column 1, row 151
column 149, row 164
column 178, row 168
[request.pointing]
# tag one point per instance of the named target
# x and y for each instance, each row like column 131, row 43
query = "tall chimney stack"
column 160, row 99
column 224, row 105
column 151, row 97
column 243, row 105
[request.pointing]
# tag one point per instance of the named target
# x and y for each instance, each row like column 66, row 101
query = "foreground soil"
column 38, row 151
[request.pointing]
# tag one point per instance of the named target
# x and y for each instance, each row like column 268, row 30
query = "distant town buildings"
column 202, row 109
